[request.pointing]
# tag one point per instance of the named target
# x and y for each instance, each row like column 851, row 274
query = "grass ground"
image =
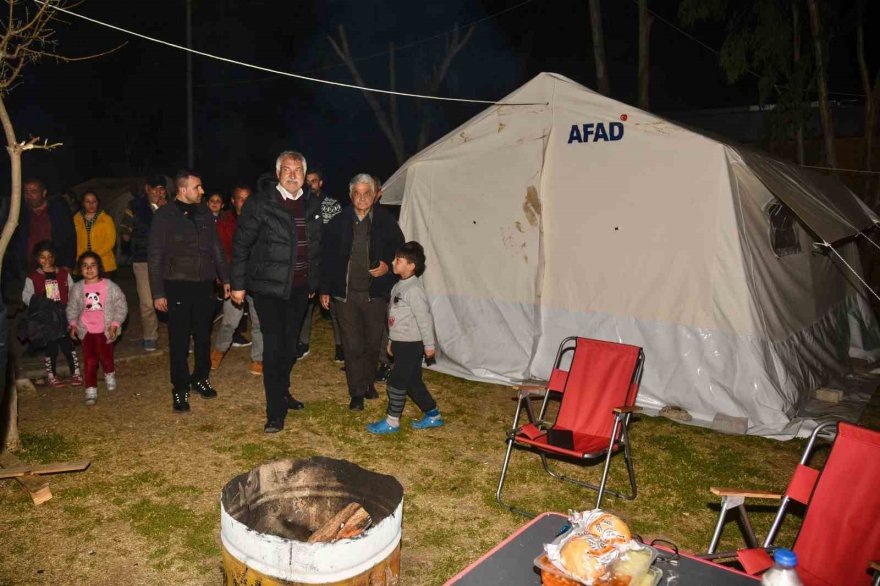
column 146, row 512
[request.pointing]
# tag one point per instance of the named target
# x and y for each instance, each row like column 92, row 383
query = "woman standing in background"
column 96, row 232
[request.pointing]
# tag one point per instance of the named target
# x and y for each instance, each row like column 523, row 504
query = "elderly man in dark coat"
column 359, row 247
column 276, row 255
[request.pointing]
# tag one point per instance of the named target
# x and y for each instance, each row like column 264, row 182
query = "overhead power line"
column 276, row 71
column 402, row 47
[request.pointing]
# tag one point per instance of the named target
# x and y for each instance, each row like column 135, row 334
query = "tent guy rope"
column 851, row 269
column 276, row 71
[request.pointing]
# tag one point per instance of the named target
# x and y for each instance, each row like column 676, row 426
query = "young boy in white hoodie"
column 410, row 335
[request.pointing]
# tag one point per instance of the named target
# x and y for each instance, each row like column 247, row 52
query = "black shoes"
column 372, row 393
column 181, row 400
column 383, row 373
column 239, row 341
column 205, row 389
column 293, row 403
column 340, row 355
column 302, row 350
column 274, row 426
column 356, row 404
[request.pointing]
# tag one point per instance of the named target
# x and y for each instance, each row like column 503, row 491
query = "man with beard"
column 185, row 258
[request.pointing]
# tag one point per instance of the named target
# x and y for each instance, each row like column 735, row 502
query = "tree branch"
column 66, row 59
column 344, row 53
column 454, row 45
column 34, row 143
column 392, row 99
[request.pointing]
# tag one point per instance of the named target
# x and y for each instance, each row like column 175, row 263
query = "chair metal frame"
column 735, row 500
column 619, row 438
column 731, row 500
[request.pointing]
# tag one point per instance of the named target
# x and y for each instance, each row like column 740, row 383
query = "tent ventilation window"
column 783, row 230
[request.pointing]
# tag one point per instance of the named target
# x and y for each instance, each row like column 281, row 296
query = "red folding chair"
column 597, row 395
column 839, row 537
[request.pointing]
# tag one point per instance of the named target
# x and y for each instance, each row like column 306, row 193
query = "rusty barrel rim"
column 292, row 560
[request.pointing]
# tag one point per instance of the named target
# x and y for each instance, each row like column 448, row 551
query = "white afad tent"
column 562, row 212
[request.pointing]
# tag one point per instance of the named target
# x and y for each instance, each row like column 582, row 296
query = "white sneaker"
column 110, row 379
column 91, row 395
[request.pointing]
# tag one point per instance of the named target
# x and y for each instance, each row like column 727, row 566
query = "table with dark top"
column 511, row 562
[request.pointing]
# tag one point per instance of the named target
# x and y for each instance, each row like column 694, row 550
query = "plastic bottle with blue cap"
column 784, row 570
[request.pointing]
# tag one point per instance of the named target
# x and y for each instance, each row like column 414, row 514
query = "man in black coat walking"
column 184, row 258
column 276, row 255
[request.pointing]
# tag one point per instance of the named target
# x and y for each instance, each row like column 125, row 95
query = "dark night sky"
column 124, row 113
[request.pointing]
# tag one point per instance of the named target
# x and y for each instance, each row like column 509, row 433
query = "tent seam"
column 539, row 285
column 745, row 246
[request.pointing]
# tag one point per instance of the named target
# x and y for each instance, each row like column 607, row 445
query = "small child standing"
column 410, row 335
column 96, row 311
column 46, row 291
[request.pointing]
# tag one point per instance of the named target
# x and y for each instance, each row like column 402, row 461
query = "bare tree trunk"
column 9, row 400
column 822, row 85
column 872, row 101
column 602, row 82
column 389, row 121
column 392, row 99
column 454, row 44
column 799, row 90
column 385, row 123
column 645, row 22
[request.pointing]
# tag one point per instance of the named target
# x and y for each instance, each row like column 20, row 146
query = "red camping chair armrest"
column 758, row 494
column 629, row 409
column 530, row 388
column 734, row 498
column 530, row 393
column 525, row 394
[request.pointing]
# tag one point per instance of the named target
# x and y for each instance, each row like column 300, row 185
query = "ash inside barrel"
column 294, row 498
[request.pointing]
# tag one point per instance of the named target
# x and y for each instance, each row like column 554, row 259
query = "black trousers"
column 66, row 346
column 280, row 320
column 190, row 313
column 361, row 323
column 406, row 379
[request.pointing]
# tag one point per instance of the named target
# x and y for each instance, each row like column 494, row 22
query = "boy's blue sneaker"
column 382, row 427
column 427, row 422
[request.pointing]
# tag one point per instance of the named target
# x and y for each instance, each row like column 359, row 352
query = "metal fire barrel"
column 268, row 514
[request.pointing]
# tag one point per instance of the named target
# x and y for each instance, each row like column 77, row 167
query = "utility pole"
column 190, row 139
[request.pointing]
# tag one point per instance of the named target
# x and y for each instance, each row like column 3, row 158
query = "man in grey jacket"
column 185, row 257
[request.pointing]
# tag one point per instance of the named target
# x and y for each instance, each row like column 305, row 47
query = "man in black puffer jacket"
column 276, row 255
column 185, row 257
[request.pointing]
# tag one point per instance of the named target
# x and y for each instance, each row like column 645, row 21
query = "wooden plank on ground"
column 37, row 487
column 53, row 468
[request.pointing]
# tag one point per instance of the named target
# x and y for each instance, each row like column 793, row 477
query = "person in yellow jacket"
column 95, row 231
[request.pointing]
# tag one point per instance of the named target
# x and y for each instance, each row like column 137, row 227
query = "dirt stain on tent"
column 532, row 206
column 660, row 127
column 532, row 209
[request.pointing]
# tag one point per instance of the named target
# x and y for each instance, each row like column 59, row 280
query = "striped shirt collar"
column 287, row 195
